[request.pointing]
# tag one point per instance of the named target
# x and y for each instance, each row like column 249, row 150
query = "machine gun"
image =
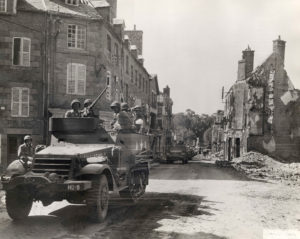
column 88, row 111
column 96, row 100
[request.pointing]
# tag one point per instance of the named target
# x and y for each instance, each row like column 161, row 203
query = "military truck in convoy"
column 83, row 163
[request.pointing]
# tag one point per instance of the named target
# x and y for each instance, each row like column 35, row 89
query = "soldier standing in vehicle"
column 87, row 111
column 121, row 119
column 74, row 112
column 26, row 150
column 139, row 122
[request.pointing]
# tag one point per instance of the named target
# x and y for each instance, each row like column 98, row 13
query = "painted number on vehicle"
column 73, row 187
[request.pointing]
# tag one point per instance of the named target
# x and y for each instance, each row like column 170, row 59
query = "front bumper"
column 41, row 183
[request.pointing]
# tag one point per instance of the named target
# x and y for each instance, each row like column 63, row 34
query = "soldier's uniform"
column 73, row 113
column 87, row 112
column 25, row 151
column 121, row 119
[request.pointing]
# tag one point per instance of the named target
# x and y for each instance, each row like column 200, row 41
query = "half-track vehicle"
column 177, row 152
column 82, row 165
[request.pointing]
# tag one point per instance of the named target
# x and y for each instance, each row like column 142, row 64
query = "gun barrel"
column 98, row 97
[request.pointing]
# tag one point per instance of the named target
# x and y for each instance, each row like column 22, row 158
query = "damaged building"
column 262, row 109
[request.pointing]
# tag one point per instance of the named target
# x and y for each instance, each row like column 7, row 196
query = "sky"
column 194, row 45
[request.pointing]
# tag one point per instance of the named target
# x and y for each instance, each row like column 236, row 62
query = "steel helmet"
column 124, row 106
column 115, row 104
column 74, row 102
column 137, row 108
column 27, row 137
column 87, row 102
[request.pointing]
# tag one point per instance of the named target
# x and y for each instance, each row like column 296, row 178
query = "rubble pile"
column 257, row 165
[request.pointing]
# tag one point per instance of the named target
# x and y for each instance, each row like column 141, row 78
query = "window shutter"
column 71, row 79
column 15, row 99
column 25, row 52
column 81, row 79
column 25, row 102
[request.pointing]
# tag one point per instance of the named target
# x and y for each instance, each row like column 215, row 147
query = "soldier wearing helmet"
column 87, row 111
column 121, row 118
column 74, row 112
column 116, row 107
column 26, row 150
column 124, row 107
column 139, row 121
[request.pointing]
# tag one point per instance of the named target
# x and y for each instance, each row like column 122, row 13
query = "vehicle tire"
column 184, row 161
column 97, row 199
column 134, row 191
column 18, row 203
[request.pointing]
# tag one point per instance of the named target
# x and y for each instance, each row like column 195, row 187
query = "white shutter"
column 20, row 102
column 15, row 101
column 25, row 58
column 71, row 78
column 81, row 79
column 24, row 102
column 76, row 79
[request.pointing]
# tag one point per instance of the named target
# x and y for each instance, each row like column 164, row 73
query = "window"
column 21, row 51
column 108, row 83
column 72, row 2
column 108, row 43
column 140, row 81
column 116, row 56
column 76, row 79
column 19, row 102
column 76, row 36
column 131, row 70
column 3, row 5
column 126, row 92
column 127, row 65
column 136, row 78
column 143, row 84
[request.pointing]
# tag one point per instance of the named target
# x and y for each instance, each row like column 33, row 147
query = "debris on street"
column 259, row 166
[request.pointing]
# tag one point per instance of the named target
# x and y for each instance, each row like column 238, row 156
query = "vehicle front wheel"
column 18, row 203
column 97, row 199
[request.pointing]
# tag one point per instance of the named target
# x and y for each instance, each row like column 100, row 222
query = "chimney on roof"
column 136, row 38
column 245, row 66
column 166, row 90
column 241, row 70
column 279, row 47
column 248, row 56
column 113, row 8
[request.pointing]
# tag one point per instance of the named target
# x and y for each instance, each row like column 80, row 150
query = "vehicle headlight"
column 97, row 159
column 5, row 178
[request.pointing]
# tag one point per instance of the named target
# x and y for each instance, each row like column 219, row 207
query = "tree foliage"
column 194, row 124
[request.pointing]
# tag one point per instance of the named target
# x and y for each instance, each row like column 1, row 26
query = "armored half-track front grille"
column 60, row 166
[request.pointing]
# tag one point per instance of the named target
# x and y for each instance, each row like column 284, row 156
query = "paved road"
column 197, row 200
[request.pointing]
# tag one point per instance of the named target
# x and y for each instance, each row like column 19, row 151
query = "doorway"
column 237, row 147
column 229, row 149
column 13, row 142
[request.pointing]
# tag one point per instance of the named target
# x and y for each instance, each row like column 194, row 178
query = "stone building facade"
column 262, row 109
column 52, row 51
column 164, row 120
column 22, row 78
column 217, row 138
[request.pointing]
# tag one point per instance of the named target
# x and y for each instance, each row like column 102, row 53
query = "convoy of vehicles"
column 83, row 164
